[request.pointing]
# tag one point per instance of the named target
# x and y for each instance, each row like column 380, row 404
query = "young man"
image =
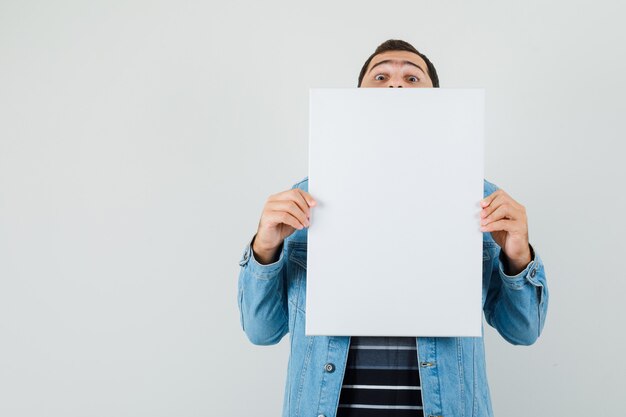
column 387, row 376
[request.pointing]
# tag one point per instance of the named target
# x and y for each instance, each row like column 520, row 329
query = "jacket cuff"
column 526, row 275
column 259, row 270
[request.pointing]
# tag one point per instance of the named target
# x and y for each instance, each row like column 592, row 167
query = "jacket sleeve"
column 262, row 298
column 516, row 305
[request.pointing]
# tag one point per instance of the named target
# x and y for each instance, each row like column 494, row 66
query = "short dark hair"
column 400, row 45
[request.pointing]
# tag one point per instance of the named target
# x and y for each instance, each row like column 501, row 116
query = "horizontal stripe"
column 383, row 407
column 369, row 412
column 379, row 347
column 389, row 358
column 380, row 396
column 382, row 340
column 382, row 367
column 382, row 377
column 381, row 386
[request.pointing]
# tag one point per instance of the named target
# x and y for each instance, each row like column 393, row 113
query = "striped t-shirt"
column 381, row 379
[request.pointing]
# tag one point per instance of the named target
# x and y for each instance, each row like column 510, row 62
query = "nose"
column 391, row 86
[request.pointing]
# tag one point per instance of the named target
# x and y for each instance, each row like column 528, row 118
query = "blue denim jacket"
column 271, row 300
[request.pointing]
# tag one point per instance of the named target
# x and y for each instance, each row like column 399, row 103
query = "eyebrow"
column 405, row 62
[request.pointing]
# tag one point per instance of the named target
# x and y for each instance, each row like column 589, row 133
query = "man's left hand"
column 506, row 219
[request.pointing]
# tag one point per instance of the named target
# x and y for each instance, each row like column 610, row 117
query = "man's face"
column 397, row 69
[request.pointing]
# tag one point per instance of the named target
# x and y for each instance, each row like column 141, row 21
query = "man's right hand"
column 283, row 213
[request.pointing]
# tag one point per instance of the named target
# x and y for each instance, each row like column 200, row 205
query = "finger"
column 297, row 198
column 279, row 217
column 291, row 195
column 308, row 197
column 290, row 207
column 487, row 200
column 496, row 195
column 503, row 211
column 506, row 225
column 300, row 199
column 493, row 205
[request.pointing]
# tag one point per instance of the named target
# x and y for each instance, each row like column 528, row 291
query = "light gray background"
column 139, row 141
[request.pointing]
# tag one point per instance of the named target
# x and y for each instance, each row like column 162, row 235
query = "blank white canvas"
column 394, row 245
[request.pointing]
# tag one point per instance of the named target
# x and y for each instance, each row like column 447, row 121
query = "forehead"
column 398, row 55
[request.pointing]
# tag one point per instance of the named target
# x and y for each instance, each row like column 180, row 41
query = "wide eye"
column 413, row 79
column 379, row 79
